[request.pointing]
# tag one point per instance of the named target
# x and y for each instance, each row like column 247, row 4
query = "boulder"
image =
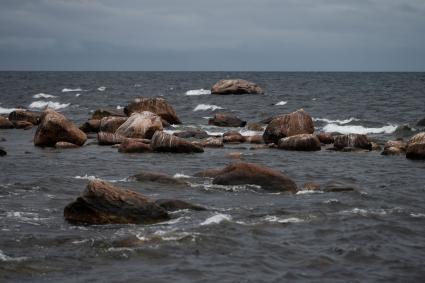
column 212, row 142
column 65, row 145
column 421, row 123
column 104, row 138
column 416, row 147
column 257, row 139
column 325, row 138
column 157, row 177
column 156, row 105
column 102, row 203
column 303, row 142
column 135, row 146
column 226, row 120
column 175, row 204
column 54, row 127
column 352, row 141
column 2, row 152
column 111, row 124
column 236, row 86
column 23, row 125
column 25, row 115
column 101, row 113
column 140, row 125
column 394, row 148
column 196, row 134
column 5, row 123
column 163, row 142
column 298, row 122
column 248, row 173
column 233, row 137
column 91, row 126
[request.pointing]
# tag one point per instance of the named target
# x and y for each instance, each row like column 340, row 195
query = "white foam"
column 87, row 177
column 216, row 219
column 6, row 110
column 214, row 133
column 43, row 95
column 77, row 94
column 357, row 129
column 276, row 219
column 204, row 107
column 119, row 107
column 182, row 176
column 248, row 133
column 4, row 257
column 417, row 215
column 50, row 104
column 341, row 122
column 71, row 89
column 198, row 92
column 281, row 103
column 101, row 88
column 307, row 192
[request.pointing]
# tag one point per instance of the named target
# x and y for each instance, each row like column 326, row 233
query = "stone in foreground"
column 102, row 203
column 352, row 141
column 54, row 127
column 236, row 86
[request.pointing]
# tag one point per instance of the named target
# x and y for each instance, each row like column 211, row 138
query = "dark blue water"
column 373, row 234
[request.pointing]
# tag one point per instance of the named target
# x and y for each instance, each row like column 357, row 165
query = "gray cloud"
column 213, row 35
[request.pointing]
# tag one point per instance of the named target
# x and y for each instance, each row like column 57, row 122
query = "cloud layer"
column 287, row 35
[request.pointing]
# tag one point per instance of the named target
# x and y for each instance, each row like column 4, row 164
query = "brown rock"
column 303, row 142
column 233, row 137
column 22, row 125
column 54, row 127
column 257, row 139
column 140, row 125
column 212, row 142
column 352, row 141
column 101, row 113
column 5, row 123
column 25, row 115
column 236, row 86
column 197, row 134
column 249, row 173
column 155, row 105
column 135, row 146
column 104, row 138
column 175, row 204
column 375, row 146
column 298, row 122
column 91, row 126
column 65, row 145
column 394, row 148
column 325, row 138
column 111, row 124
column 163, row 142
column 416, row 147
column 226, row 120
column 157, row 177
column 102, row 203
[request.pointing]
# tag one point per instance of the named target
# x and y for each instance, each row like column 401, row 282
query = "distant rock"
column 196, row 134
column 233, row 137
column 157, row 177
column 111, row 124
column 163, row 142
column 352, row 141
column 295, row 123
column 248, row 173
column 131, row 145
column 311, row 186
column 175, row 204
column 25, row 115
column 303, row 142
column 102, row 203
column 5, row 123
column 226, row 120
column 416, row 147
column 140, row 125
column 54, row 127
column 236, row 86
column 155, row 105
column 2, row 151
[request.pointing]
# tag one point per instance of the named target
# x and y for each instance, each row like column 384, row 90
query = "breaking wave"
column 280, row 103
column 50, row 104
column 342, row 122
column 198, row 92
column 71, row 89
column 216, row 219
column 203, row 107
column 357, row 129
column 43, row 95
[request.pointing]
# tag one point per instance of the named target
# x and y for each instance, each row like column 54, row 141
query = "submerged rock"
column 111, row 124
column 295, row 123
column 155, row 105
column 236, row 86
column 255, row 127
column 233, row 137
column 421, row 123
column 197, row 134
column 54, row 127
column 212, row 142
column 65, row 145
column 140, row 125
column 157, row 177
column 248, row 173
column 34, row 117
column 5, row 123
column 303, row 142
column 352, row 142
column 163, row 142
column 101, row 113
column 175, row 204
column 135, row 146
column 104, row 138
column 416, row 147
column 102, row 203
column 226, row 120
column 2, row 151
column 257, row 139
column 394, row 148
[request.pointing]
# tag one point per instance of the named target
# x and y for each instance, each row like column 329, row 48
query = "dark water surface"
column 374, row 234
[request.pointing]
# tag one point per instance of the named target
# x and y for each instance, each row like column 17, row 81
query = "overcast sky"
column 246, row 35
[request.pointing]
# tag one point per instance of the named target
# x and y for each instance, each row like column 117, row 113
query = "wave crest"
column 198, row 92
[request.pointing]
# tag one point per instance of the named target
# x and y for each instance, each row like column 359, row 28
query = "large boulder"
column 54, row 127
column 295, row 123
column 111, row 124
column 236, row 86
column 34, row 117
column 248, row 173
column 303, row 142
column 163, row 142
column 140, row 125
column 104, row 138
column 352, row 142
column 102, row 203
column 226, row 120
column 155, row 105
column 5, row 123
column 131, row 145
column 416, row 147
column 158, row 177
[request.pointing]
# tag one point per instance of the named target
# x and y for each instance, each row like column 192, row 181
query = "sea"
column 374, row 233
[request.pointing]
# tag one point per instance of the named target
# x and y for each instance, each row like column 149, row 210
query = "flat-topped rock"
column 236, row 86
column 155, row 105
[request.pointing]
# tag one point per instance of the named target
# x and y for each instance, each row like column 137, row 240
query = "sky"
column 214, row 35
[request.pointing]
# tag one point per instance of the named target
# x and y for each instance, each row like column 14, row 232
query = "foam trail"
column 216, row 219
column 77, row 94
column 346, row 121
column 43, row 95
column 179, row 175
column 359, row 129
column 50, row 104
column 101, row 88
column 203, row 107
column 198, row 92
column 281, row 103
column 71, row 89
